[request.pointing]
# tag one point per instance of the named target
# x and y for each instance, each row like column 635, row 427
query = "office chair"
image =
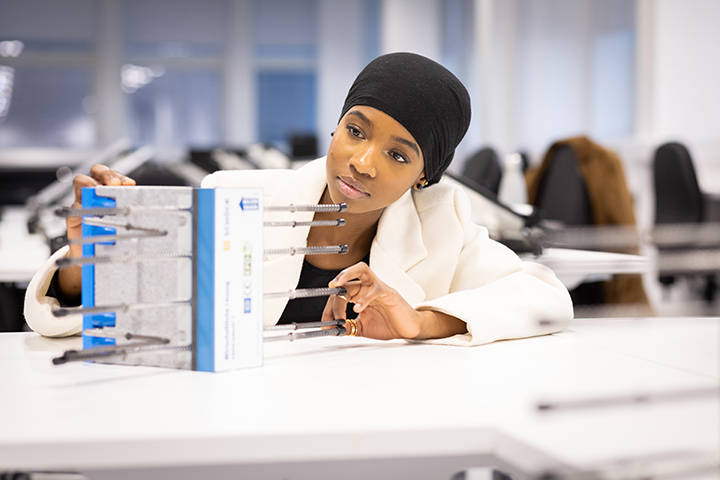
column 562, row 194
column 484, row 168
column 303, row 146
column 11, row 301
column 580, row 183
column 679, row 200
column 525, row 161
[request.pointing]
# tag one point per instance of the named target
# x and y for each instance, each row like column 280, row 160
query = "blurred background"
column 178, row 88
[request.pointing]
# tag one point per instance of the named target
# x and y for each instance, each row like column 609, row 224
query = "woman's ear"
column 421, row 183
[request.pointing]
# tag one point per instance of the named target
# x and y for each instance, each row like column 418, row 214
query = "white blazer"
column 426, row 248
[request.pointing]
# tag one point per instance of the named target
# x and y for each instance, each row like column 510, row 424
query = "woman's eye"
column 355, row 132
column 399, row 157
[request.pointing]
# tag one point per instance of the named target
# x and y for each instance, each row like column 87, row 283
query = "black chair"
column 525, row 158
column 562, row 194
column 203, row 158
column 11, row 307
column 304, row 146
column 483, row 168
column 157, row 174
column 679, row 200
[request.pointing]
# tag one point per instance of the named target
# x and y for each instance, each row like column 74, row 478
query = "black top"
column 301, row 310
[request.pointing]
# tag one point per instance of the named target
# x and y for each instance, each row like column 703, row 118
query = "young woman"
column 417, row 267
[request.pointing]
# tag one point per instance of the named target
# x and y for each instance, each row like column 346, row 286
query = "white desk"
column 576, row 266
column 356, row 408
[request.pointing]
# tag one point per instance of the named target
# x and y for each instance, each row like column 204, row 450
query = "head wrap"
column 425, row 97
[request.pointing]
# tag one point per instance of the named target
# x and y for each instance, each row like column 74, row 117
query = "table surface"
column 576, row 266
column 351, row 399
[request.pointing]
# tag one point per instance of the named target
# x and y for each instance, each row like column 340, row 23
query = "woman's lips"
column 351, row 188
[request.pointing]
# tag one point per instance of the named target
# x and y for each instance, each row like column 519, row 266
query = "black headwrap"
column 425, row 97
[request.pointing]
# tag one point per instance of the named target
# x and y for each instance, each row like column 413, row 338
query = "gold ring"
column 353, row 327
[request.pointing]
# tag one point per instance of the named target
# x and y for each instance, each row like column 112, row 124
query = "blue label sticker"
column 248, row 306
column 252, row 203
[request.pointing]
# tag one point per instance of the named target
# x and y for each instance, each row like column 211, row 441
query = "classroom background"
column 194, row 85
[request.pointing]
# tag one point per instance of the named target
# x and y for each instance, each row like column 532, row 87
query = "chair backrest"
column 678, row 198
column 562, row 194
column 484, row 169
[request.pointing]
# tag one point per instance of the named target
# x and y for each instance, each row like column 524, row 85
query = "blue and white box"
column 198, row 285
column 227, row 287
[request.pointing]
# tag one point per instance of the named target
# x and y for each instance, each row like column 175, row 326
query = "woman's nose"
column 364, row 163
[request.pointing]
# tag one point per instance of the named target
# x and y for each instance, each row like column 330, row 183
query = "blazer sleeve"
column 497, row 294
column 39, row 307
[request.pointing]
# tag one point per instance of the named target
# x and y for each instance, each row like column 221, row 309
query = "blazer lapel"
column 398, row 246
column 282, row 272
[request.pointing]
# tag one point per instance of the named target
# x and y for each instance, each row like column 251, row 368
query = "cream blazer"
column 426, row 248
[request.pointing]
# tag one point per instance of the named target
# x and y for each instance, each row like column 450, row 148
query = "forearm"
column 439, row 325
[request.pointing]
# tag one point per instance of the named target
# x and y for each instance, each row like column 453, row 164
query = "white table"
column 573, row 267
column 356, row 408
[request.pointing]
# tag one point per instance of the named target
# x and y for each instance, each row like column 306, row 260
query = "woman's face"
column 372, row 160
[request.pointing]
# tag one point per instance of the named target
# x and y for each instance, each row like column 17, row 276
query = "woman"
column 417, row 267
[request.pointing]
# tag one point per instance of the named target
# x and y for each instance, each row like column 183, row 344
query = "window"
column 49, row 107
column 574, row 70
column 285, row 58
column 172, row 77
column 287, row 105
column 177, row 108
column 47, row 80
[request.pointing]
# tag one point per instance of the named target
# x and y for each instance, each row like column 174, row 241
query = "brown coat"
column 610, row 201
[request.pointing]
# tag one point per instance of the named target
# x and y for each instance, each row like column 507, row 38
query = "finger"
column 367, row 295
column 329, row 312
column 353, row 327
column 107, row 176
column 363, row 288
column 352, row 288
column 358, row 271
column 80, row 182
column 339, row 307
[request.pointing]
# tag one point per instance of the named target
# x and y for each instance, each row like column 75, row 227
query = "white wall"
column 677, row 92
column 240, row 106
column 494, row 88
column 686, row 97
column 684, row 84
column 550, row 69
column 411, row 26
column 340, row 60
column 112, row 108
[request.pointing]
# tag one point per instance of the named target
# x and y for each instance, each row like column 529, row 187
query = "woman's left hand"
column 382, row 312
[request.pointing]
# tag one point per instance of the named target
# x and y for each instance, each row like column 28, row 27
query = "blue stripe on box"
column 205, row 278
column 91, row 200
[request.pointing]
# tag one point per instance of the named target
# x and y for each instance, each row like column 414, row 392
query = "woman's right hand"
column 70, row 279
